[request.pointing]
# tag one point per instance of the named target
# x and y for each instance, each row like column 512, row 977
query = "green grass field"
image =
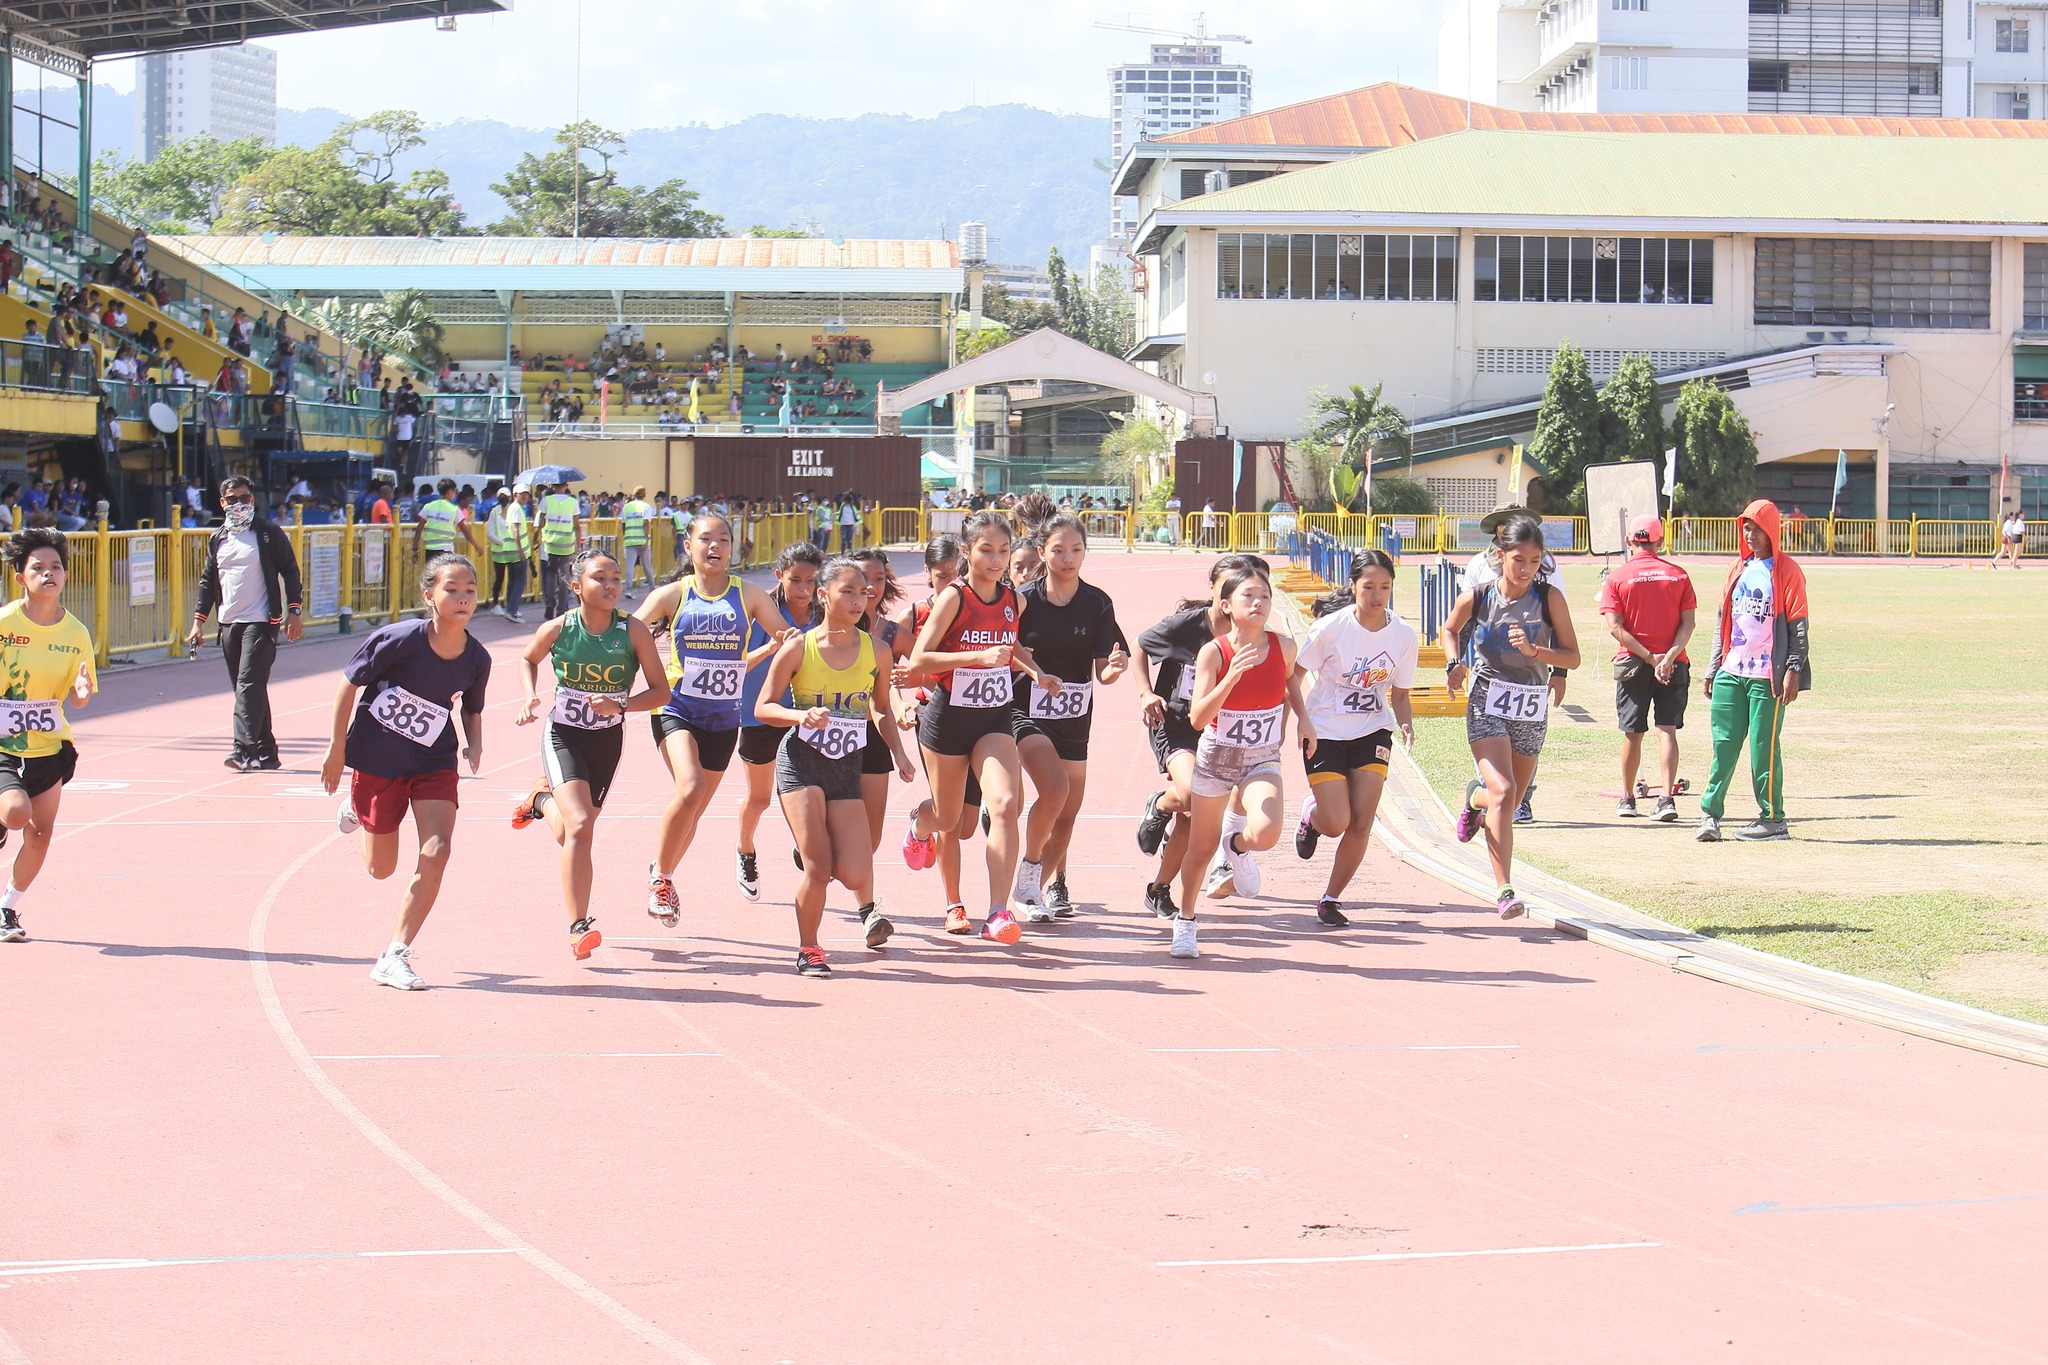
column 1915, row 778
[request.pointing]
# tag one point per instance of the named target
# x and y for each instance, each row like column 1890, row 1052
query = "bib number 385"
column 409, row 717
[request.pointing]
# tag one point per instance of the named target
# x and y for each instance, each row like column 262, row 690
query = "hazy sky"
column 823, row 58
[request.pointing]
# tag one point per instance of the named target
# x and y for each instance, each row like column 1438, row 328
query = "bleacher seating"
column 761, row 407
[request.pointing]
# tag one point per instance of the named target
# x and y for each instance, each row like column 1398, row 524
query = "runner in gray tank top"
column 1516, row 631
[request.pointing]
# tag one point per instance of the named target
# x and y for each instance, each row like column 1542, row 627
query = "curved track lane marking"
column 273, row 1010
column 10, row 1353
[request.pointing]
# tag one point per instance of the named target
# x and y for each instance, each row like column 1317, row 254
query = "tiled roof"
column 816, row 253
column 1391, row 115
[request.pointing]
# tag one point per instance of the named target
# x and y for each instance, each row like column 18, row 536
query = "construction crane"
column 1200, row 35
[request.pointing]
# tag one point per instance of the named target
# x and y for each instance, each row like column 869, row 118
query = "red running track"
column 1431, row 1136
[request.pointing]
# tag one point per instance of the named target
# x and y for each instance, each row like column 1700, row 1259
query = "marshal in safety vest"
column 633, row 521
column 558, row 531
column 437, row 520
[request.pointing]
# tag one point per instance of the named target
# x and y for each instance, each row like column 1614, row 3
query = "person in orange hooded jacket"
column 1760, row 666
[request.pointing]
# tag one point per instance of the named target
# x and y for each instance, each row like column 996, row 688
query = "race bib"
column 409, row 717
column 574, row 708
column 714, row 679
column 1516, row 701
column 1184, row 693
column 1250, row 729
column 981, row 688
column 18, row 718
column 838, row 737
column 1363, row 701
column 1071, row 704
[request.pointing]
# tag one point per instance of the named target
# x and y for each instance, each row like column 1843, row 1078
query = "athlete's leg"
column 760, row 787
column 435, row 821
column 695, row 786
column 1263, row 805
column 1205, row 833
column 1498, row 793
column 1728, row 720
column 571, row 819
column 853, row 853
column 804, row 808
column 949, row 845
column 1180, row 771
column 1766, row 754
column 1002, row 785
column 1359, row 794
column 38, row 824
column 1331, row 818
column 1061, row 836
column 946, row 776
column 1049, row 780
column 874, row 801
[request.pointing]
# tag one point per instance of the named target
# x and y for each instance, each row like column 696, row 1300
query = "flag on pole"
column 1671, row 472
column 1515, row 477
column 2004, row 470
column 1841, row 480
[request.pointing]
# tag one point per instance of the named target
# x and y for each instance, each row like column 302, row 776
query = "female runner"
column 1244, row 688
column 48, row 654
column 594, row 651
column 836, row 681
column 894, row 642
column 399, row 740
column 969, row 644
column 1070, row 628
column 942, row 556
column 1360, row 662
column 1173, row 646
column 796, row 594
column 708, row 611
column 1517, row 637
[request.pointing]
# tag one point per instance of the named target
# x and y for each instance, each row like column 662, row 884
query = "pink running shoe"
column 1470, row 821
column 918, row 854
column 1002, row 927
column 1510, row 905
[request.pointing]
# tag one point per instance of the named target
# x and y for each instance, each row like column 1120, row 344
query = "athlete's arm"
column 1151, row 706
column 1404, row 714
column 1563, row 654
column 655, row 693
column 766, row 614
column 924, row 655
column 83, row 686
column 536, row 653
column 660, row 605
column 473, row 737
column 769, row 710
column 1289, row 654
column 1453, row 636
column 1212, row 683
column 337, row 740
column 881, row 711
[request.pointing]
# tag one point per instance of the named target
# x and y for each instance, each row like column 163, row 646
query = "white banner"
column 141, row 570
column 373, row 560
column 323, row 565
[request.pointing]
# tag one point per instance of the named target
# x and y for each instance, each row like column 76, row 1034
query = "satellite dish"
column 1209, row 378
column 163, row 417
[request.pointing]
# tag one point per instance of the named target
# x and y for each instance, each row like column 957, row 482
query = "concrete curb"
column 1417, row 827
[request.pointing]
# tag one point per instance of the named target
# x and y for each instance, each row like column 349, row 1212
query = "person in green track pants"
column 1761, row 664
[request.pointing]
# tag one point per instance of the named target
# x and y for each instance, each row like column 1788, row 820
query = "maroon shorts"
column 381, row 802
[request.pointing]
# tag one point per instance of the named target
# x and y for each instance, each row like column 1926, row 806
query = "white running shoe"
column 1221, row 881
column 1184, row 938
column 345, row 817
column 1245, row 871
column 662, row 903
column 750, row 876
column 1029, row 897
column 395, row 969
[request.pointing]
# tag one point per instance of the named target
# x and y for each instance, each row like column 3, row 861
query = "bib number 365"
column 18, row 718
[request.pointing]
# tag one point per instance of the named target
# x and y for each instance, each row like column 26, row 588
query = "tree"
column 1567, row 435
column 763, row 230
column 1019, row 315
column 1360, row 427
column 1631, row 415
column 558, row 194
column 1098, row 314
column 402, row 323
column 186, row 187
column 1135, row 454
column 986, row 338
column 1716, row 452
column 1399, row 495
column 346, row 186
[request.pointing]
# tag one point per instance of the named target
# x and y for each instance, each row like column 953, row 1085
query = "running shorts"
column 1172, row 735
column 758, row 743
column 1638, row 696
column 37, row 775
column 381, row 802
column 945, row 728
column 1070, row 746
column 1336, row 759
column 1525, row 737
column 798, row 765
column 569, row 754
column 714, row 747
column 875, row 759
column 1221, row 767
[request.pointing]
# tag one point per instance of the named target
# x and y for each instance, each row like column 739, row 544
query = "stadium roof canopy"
column 67, row 34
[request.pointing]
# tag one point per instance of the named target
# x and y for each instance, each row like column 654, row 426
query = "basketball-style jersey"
column 978, row 625
column 708, row 659
column 589, row 666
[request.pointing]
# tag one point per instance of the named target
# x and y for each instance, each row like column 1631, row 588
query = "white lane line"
column 11, row 1352
column 15, row 1269
column 281, row 1024
column 489, row 1056
column 1389, row 1048
column 1407, row 1255
column 1414, row 1047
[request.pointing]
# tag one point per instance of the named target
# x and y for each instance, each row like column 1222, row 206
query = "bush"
column 1398, row 495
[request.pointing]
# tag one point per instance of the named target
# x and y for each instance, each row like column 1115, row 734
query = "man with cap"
column 1760, row 666
column 1484, row 569
column 1648, row 605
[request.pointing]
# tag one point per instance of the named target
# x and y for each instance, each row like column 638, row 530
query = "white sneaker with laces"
column 1184, row 938
column 1029, row 896
column 345, row 816
column 394, row 969
column 1245, row 871
column 1221, row 879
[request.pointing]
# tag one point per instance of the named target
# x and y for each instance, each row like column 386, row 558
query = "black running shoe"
column 10, row 927
column 877, row 926
column 1159, row 900
column 1058, row 901
column 1152, row 826
column 750, row 876
column 811, row 962
column 1306, row 834
column 1328, row 913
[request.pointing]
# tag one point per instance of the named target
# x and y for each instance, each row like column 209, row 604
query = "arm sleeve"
column 1405, row 661
column 209, row 581
column 369, row 660
column 473, row 694
column 1108, row 634
column 288, row 566
column 1155, row 641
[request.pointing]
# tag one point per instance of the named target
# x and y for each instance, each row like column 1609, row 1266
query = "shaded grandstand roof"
column 793, row 264
column 1393, row 115
column 100, row 29
column 1816, row 182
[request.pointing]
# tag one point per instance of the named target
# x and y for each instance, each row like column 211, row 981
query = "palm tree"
column 404, row 324
column 1360, row 426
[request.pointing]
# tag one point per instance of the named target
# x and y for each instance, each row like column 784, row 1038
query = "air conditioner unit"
column 1220, row 180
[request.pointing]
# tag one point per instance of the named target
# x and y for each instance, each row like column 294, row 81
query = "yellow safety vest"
column 506, row 531
column 558, row 531
column 633, row 518
column 438, row 517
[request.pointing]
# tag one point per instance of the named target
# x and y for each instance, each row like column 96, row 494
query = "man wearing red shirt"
column 380, row 510
column 1648, row 605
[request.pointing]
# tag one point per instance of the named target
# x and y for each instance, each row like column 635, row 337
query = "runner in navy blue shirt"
column 395, row 721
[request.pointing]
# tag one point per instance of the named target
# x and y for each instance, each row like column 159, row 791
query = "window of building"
column 1769, row 77
column 1629, row 73
column 2012, row 35
column 1632, row 4
column 2015, row 104
column 1803, row 281
column 1923, row 9
column 1593, row 269
column 1923, row 80
column 1768, row 7
column 2034, row 288
column 1336, row 266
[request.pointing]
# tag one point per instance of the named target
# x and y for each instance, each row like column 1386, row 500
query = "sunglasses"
column 236, row 499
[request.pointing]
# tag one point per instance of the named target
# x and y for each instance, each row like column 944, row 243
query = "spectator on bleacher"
column 402, row 423
column 866, row 350
column 35, row 364
column 238, row 334
column 781, row 356
column 384, row 395
column 206, row 327
column 149, row 341
column 261, row 327
column 160, row 290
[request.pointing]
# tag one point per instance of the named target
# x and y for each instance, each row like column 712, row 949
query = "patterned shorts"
column 1523, row 736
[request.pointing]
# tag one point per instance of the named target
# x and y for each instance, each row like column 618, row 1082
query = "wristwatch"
column 292, row 610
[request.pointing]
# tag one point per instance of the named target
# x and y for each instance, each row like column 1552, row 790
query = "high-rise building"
column 229, row 92
column 1185, row 85
column 1910, row 58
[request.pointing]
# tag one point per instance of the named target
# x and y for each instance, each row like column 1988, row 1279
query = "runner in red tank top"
column 942, row 556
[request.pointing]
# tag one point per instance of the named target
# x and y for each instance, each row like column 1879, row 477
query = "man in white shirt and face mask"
column 252, row 578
